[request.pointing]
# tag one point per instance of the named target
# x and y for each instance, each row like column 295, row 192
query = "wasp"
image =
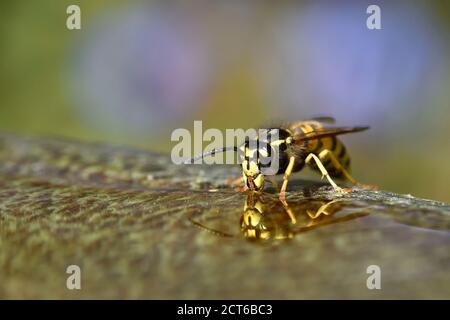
column 311, row 142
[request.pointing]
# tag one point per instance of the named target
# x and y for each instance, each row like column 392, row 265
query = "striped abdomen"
column 333, row 144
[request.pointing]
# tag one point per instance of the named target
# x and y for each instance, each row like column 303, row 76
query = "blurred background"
column 137, row 70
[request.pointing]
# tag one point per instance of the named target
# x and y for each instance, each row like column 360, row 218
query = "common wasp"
column 311, row 142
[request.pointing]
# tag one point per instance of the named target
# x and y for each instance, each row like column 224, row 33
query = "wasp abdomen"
column 321, row 147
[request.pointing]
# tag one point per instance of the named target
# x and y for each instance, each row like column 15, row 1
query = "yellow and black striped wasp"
column 309, row 142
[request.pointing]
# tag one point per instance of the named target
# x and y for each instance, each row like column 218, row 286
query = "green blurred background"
column 137, row 70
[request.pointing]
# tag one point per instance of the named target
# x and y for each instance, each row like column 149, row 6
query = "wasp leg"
column 324, row 172
column 322, row 209
column 290, row 213
column 287, row 173
column 327, row 153
column 288, row 210
column 237, row 184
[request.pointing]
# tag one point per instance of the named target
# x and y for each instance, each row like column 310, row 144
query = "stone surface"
column 141, row 227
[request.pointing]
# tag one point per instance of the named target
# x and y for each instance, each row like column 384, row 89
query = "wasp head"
column 253, row 177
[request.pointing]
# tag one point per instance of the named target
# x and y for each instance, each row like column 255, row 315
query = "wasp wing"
column 325, row 119
column 326, row 132
column 315, row 121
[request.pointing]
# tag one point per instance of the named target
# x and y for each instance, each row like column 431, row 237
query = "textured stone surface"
column 140, row 227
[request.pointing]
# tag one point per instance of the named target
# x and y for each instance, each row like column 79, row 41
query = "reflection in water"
column 265, row 218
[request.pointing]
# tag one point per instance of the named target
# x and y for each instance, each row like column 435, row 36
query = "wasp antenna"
column 213, row 231
column 210, row 153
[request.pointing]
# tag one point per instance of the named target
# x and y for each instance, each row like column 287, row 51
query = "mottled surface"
column 140, row 227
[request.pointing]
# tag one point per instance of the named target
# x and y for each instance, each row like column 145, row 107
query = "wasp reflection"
column 264, row 218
